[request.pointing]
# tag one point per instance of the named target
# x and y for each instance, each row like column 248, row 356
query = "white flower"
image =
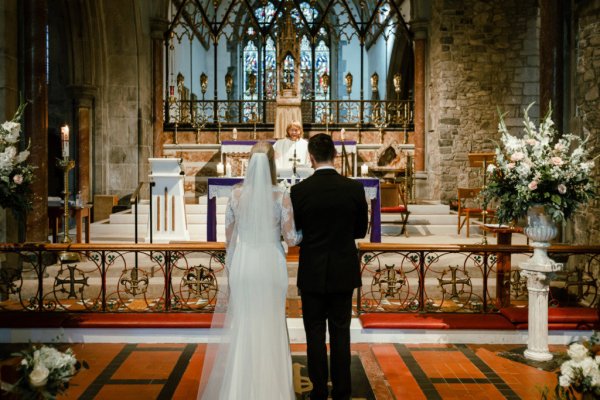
column 18, row 179
column 39, row 376
column 12, row 131
column 22, row 156
column 564, row 381
column 562, row 189
column 578, row 352
column 491, row 168
column 531, row 142
column 557, row 161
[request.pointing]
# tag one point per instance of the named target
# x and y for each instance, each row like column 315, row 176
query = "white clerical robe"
column 284, row 153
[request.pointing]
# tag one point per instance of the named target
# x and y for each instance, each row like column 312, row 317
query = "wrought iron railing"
column 204, row 114
column 111, row 277
column 468, row 279
column 188, row 277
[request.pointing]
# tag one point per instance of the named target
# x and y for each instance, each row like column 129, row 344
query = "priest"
column 291, row 153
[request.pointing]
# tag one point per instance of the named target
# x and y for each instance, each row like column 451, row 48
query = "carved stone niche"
column 288, row 58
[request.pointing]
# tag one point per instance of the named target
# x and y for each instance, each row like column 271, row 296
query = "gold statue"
column 203, row 82
column 348, row 79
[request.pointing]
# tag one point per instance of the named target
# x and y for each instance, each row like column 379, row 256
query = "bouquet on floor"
column 15, row 173
column 44, row 372
column 581, row 372
column 540, row 167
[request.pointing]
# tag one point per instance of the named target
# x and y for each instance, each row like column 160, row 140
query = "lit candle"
column 64, row 132
column 220, row 169
column 343, row 134
column 228, row 169
column 234, row 135
column 364, row 169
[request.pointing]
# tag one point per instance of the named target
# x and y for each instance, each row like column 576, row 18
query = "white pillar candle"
column 64, row 132
column 234, row 134
column 220, row 169
column 364, row 169
column 228, row 169
column 343, row 134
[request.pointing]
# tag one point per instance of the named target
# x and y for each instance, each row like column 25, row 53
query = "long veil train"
column 252, row 358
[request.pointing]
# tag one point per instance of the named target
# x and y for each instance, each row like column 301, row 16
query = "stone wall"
column 482, row 55
column 585, row 226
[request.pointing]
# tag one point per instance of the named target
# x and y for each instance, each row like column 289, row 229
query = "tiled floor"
column 380, row 371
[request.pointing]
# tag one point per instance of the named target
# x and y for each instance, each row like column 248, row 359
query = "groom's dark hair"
column 321, row 147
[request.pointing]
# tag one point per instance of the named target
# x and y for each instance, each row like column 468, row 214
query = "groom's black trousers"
column 335, row 311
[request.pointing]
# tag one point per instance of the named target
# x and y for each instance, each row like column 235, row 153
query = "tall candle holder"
column 67, row 165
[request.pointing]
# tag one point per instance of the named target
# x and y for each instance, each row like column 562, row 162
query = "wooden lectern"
column 167, row 220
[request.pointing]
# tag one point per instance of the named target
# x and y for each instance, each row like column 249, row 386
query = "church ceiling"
column 210, row 20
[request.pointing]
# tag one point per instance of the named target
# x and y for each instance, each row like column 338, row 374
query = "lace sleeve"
column 288, row 228
column 229, row 219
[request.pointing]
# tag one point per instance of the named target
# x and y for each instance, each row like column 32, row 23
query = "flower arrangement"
column 541, row 167
column 581, row 373
column 44, row 372
column 15, row 173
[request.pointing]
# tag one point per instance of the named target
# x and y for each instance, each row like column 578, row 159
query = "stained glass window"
column 270, row 70
column 268, row 66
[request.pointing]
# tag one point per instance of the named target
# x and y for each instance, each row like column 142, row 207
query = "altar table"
column 221, row 187
column 244, row 146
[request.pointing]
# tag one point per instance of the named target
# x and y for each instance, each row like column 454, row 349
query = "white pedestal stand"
column 169, row 221
column 539, row 270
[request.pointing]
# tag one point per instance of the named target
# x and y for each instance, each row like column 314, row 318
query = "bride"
column 252, row 359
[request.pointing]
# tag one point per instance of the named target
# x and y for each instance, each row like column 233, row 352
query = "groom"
column 331, row 211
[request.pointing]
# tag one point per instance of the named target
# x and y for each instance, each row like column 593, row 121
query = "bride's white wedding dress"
column 252, row 359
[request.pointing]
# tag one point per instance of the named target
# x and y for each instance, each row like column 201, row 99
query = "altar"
column 221, row 187
column 242, row 147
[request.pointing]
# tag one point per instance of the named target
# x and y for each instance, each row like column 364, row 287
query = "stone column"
column 84, row 104
column 420, row 43
column 36, row 114
column 551, row 59
column 538, row 287
column 159, row 27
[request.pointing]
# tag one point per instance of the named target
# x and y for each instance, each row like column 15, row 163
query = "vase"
column 540, row 227
column 540, row 230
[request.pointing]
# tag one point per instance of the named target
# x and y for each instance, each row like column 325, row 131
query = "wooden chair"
column 399, row 206
column 466, row 198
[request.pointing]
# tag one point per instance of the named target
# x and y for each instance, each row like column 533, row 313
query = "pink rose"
column 557, row 161
column 532, row 185
column 517, row 156
column 18, row 179
column 531, row 142
column 562, row 189
column 510, row 165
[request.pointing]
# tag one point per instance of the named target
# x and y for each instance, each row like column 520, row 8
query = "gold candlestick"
column 67, row 165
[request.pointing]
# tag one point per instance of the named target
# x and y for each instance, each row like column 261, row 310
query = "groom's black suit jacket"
column 331, row 210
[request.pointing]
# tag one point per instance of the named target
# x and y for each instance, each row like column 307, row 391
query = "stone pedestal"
column 537, row 341
column 539, row 270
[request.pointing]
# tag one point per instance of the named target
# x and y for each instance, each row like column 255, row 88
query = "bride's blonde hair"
column 266, row 148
